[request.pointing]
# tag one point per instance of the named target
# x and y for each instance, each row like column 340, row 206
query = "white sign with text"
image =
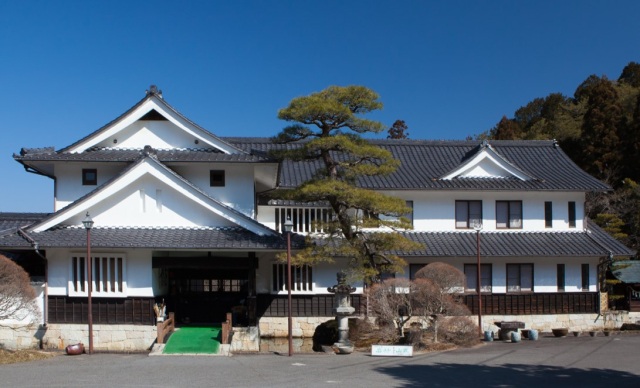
column 392, row 350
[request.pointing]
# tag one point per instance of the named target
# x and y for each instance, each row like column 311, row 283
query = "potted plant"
column 560, row 332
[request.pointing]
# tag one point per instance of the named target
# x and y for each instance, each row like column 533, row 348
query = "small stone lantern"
column 342, row 311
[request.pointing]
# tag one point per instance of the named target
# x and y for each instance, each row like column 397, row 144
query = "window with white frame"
column 519, row 277
column 301, row 278
column 108, row 276
column 509, row 214
column 468, row 214
column 304, row 219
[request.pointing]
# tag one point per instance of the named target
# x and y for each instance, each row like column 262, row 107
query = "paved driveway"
column 583, row 361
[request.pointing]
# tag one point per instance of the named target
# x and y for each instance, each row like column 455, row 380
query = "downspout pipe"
column 35, row 246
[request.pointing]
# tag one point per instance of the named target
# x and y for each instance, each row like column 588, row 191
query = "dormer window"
column 216, row 178
column 89, row 177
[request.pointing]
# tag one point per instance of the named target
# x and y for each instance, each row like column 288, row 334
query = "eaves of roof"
column 151, row 238
column 129, row 155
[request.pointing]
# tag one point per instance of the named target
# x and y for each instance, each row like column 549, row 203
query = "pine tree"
column 326, row 130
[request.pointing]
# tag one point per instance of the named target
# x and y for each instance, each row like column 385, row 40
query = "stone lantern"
column 343, row 310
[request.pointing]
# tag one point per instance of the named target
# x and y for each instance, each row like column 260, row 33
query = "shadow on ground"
column 509, row 375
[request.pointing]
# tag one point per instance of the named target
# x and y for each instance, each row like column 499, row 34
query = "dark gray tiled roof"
column 423, row 162
column 627, row 271
column 511, row 244
column 130, row 155
column 594, row 242
column 162, row 101
column 11, row 221
column 151, row 238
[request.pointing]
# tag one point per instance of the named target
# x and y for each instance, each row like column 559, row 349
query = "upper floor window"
column 548, row 214
column 509, row 214
column 414, row 268
column 572, row 214
column 89, row 177
column 471, row 274
column 468, row 214
column 305, row 220
column 409, row 215
column 216, row 178
column 519, row 277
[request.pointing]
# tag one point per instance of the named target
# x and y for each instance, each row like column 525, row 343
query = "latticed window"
column 304, row 219
column 301, row 278
column 108, row 274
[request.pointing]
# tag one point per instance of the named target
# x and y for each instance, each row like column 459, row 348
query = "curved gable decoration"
column 487, row 164
column 168, row 128
column 99, row 201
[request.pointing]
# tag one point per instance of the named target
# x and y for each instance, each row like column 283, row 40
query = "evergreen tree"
column 398, row 130
column 326, row 130
column 600, row 131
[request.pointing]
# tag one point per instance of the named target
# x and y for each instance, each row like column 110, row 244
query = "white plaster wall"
column 435, row 210
column 68, row 182
column 138, row 275
column 324, row 275
column 157, row 134
column 238, row 191
column 544, row 271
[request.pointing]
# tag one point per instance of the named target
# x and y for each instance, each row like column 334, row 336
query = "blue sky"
column 449, row 69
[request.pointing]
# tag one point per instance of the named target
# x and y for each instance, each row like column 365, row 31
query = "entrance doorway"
column 205, row 296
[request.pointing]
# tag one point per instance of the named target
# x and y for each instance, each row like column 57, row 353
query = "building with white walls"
column 179, row 215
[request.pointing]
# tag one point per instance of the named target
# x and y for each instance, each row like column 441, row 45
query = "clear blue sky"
column 449, row 69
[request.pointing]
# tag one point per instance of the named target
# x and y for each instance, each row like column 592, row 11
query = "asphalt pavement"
column 564, row 362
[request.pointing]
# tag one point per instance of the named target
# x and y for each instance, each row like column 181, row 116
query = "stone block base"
column 115, row 338
column 302, row 327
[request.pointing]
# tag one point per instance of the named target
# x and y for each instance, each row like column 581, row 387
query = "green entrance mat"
column 194, row 339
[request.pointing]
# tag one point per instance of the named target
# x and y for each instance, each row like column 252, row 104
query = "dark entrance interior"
column 204, row 290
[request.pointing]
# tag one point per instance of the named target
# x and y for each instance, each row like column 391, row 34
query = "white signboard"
column 392, row 350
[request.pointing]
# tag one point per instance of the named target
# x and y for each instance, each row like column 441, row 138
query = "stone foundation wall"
column 115, row 338
column 574, row 322
column 303, row 327
column 245, row 339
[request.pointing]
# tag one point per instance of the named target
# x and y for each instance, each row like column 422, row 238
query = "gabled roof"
column 153, row 104
column 486, row 163
column 425, row 162
column 147, row 164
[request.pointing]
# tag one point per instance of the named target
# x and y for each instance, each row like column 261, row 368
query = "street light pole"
column 478, row 228
column 88, row 224
column 288, row 227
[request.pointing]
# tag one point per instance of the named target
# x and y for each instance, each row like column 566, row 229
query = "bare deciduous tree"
column 391, row 303
column 438, row 287
column 17, row 297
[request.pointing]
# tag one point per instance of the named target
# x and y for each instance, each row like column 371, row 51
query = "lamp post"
column 478, row 227
column 88, row 224
column 288, row 227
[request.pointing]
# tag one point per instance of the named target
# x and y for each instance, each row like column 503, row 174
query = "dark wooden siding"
column 301, row 305
column 535, row 303
column 64, row 309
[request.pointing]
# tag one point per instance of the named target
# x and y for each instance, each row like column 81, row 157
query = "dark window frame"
column 217, row 178
column 469, row 219
column 520, row 278
column 414, row 268
column 486, row 282
column 572, row 214
column 561, row 277
column 510, row 212
column 584, row 272
column 548, row 214
column 88, row 179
